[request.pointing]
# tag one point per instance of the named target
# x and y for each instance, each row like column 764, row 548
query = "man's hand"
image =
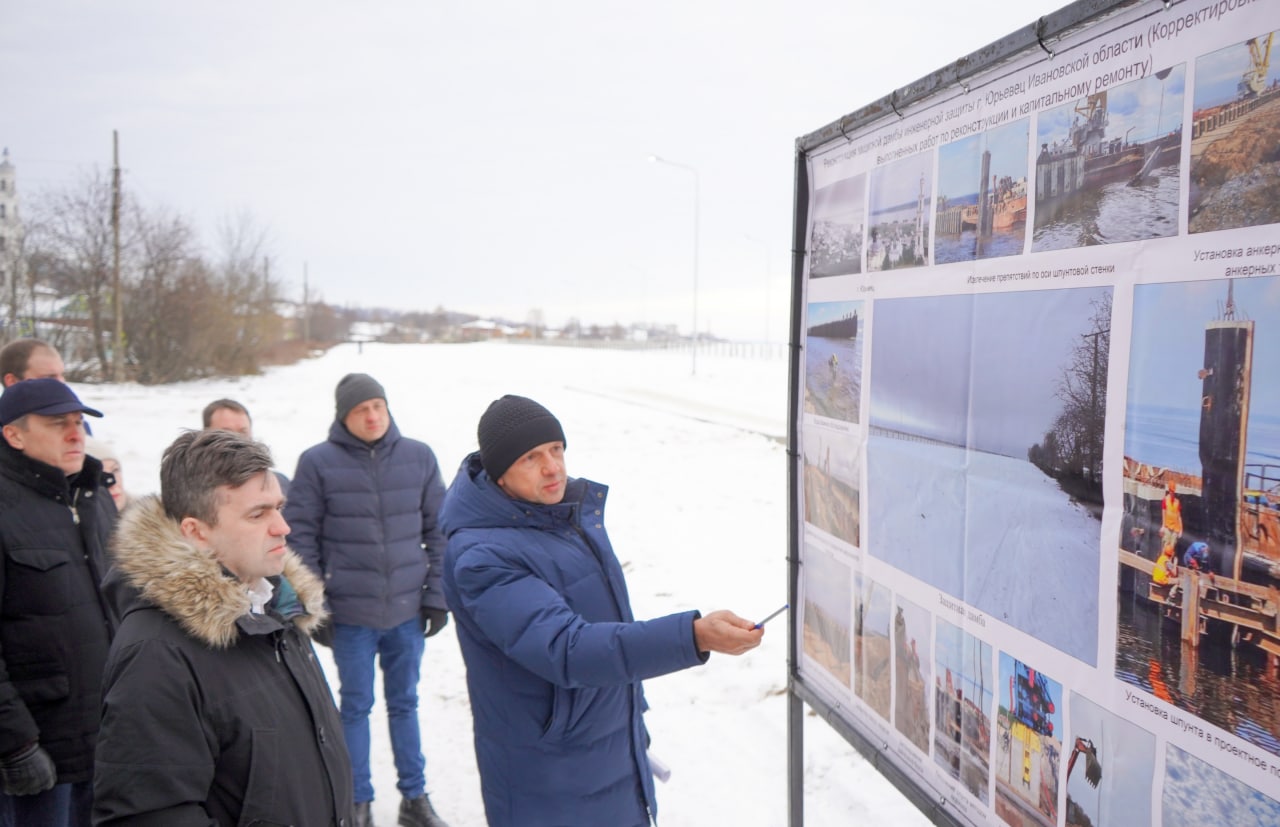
column 725, row 632
column 29, row 772
column 433, row 620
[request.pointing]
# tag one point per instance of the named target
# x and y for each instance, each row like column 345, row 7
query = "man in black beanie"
column 363, row 510
column 554, row 655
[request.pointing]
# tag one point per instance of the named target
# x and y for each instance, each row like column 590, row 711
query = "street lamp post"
column 697, row 213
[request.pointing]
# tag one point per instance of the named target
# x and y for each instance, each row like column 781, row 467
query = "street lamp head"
column 654, row 159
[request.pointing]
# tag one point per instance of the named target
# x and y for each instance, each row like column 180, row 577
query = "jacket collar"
column 339, row 434
column 45, row 479
column 475, row 501
column 169, row 572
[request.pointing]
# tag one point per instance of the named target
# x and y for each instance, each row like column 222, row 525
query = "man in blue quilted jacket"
column 554, row 656
column 363, row 511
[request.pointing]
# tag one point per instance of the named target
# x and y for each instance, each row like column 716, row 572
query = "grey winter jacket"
column 363, row 517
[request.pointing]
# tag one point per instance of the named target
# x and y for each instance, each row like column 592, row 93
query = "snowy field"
column 992, row 531
column 697, row 471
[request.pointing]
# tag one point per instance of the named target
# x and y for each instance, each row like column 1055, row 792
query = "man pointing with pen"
column 554, row 655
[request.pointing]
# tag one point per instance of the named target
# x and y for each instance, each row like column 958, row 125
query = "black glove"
column 28, row 772
column 323, row 635
column 433, row 620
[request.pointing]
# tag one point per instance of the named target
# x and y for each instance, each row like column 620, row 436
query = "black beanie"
column 353, row 389
column 510, row 428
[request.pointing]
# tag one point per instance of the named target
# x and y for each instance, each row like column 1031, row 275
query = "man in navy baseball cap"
column 54, row 527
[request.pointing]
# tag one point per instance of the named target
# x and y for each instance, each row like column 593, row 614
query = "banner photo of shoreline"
column 1039, row 427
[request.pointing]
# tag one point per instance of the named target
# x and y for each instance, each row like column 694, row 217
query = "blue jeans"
column 399, row 651
column 66, row 805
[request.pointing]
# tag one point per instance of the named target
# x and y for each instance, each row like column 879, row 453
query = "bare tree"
column 69, row 249
column 249, row 292
column 1072, row 448
column 1082, row 387
column 162, row 323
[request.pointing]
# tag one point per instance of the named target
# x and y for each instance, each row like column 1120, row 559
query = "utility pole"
column 117, row 354
column 1095, row 426
column 306, row 309
column 264, row 310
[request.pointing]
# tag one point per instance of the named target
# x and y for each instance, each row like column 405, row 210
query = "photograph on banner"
column 982, row 195
column 901, row 207
column 984, row 458
column 827, row 586
column 1110, row 769
column 912, row 630
column 963, row 694
column 871, row 647
column 1107, row 165
column 1196, row 793
column 1235, row 138
column 1200, row 536
column 833, row 360
column 839, row 214
column 831, row 469
column 1028, row 745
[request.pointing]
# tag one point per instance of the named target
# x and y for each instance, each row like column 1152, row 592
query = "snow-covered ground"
column 697, row 471
column 993, row 531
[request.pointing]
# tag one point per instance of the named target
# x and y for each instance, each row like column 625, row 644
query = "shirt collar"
column 259, row 595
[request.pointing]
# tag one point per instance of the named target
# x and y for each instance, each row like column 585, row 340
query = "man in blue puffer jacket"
column 363, row 508
column 554, row 655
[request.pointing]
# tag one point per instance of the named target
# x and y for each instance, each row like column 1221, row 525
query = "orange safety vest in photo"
column 1172, row 508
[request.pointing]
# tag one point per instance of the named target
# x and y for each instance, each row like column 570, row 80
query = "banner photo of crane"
column 1035, row 410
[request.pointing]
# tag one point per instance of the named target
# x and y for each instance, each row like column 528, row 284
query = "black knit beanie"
column 512, row 426
column 353, row 389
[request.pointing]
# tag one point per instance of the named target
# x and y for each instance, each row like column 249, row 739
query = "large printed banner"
column 1040, row 428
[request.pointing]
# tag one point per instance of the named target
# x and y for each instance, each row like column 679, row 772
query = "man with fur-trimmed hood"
column 214, row 708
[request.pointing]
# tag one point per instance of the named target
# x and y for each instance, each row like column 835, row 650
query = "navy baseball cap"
column 47, row 397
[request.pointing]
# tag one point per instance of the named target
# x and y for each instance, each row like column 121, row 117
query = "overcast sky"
column 1168, row 347
column 986, row 370
column 488, row 158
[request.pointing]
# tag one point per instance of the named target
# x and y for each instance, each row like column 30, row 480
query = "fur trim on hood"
column 191, row 586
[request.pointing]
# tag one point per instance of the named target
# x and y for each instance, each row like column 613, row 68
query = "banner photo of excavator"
column 1110, row 768
column 1034, row 452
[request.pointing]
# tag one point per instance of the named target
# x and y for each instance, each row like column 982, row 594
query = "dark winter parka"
column 212, row 715
column 364, row 518
column 55, row 627
column 554, row 656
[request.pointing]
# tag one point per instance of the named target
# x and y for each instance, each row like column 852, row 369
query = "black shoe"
column 418, row 812
column 364, row 814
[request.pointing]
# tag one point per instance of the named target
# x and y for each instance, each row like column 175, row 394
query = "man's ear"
column 194, row 529
column 13, row 436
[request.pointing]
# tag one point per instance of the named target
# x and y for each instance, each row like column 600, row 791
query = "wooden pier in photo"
column 1201, row 597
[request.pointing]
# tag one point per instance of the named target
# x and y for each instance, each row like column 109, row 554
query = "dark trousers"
column 66, row 805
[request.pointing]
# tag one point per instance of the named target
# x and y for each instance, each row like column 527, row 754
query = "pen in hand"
column 760, row 625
